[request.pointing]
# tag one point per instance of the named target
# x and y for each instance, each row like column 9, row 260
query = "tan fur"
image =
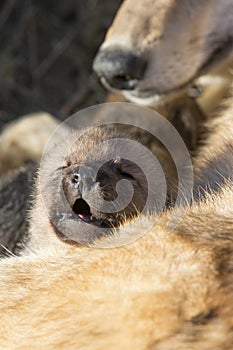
column 178, row 38
column 167, row 290
column 23, row 141
column 156, row 293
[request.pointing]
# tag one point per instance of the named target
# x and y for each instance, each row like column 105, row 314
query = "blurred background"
column 46, row 53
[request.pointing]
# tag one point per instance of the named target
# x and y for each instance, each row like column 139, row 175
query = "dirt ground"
column 46, row 53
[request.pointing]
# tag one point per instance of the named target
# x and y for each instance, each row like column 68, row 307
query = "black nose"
column 119, row 69
column 83, row 179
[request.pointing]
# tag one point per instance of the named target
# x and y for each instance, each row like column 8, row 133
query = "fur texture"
column 167, row 290
column 61, row 205
column 22, row 142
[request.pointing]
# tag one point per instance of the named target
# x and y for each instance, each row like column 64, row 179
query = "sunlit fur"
column 167, row 290
column 23, row 140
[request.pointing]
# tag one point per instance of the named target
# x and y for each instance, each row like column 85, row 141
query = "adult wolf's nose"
column 119, row 69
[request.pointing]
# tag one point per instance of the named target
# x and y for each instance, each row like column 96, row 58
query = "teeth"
column 91, row 218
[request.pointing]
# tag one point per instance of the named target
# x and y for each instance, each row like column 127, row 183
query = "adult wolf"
column 156, row 49
column 167, row 290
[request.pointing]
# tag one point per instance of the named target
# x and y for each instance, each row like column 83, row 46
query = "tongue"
column 84, row 217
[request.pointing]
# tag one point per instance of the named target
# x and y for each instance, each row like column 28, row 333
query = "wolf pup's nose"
column 83, row 179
